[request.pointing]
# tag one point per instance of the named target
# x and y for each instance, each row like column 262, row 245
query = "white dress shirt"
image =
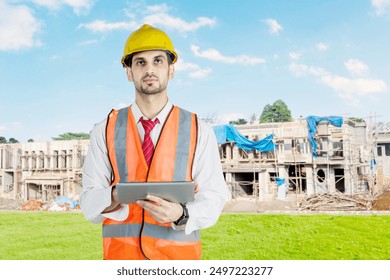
column 207, row 174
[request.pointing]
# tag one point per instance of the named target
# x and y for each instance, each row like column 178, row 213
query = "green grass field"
column 68, row 236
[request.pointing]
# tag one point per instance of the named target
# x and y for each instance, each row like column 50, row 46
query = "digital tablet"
column 181, row 192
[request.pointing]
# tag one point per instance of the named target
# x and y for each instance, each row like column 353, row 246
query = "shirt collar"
column 162, row 116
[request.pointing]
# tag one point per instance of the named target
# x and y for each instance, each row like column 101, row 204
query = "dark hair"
column 129, row 58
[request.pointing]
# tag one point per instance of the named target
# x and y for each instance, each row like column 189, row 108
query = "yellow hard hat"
column 148, row 38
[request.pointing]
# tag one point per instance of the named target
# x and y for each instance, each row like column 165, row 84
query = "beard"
column 150, row 89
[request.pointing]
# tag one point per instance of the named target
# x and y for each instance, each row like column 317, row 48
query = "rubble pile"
column 32, row 205
column 337, row 202
column 382, row 201
column 58, row 205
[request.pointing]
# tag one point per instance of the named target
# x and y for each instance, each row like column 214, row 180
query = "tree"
column 30, row 140
column 277, row 112
column 13, row 141
column 72, row 136
column 238, row 122
column 356, row 120
column 3, row 140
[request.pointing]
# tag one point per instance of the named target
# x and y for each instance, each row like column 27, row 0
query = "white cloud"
column 78, row 6
column 103, row 26
column 3, row 128
column 163, row 8
column 381, row 6
column 356, row 67
column 274, row 26
column 195, row 71
column 156, row 15
column 18, row 27
column 167, row 21
column 347, row 88
column 201, row 73
column 215, row 55
column 295, row 55
column 303, row 70
column 321, row 46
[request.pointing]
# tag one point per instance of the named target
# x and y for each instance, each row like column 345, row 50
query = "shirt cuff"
column 175, row 227
column 120, row 215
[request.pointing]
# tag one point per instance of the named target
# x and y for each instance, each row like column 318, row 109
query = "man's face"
column 150, row 72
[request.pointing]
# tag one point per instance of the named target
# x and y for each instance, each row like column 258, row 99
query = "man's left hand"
column 161, row 210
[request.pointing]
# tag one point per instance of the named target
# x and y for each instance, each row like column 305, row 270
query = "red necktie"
column 147, row 144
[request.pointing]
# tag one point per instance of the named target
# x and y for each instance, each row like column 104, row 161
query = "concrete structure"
column 344, row 162
column 41, row 170
column 381, row 137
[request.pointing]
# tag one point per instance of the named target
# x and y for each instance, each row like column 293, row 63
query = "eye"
column 140, row 62
column 158, row 61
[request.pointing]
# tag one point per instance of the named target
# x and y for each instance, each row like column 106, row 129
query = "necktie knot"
column 148, row 125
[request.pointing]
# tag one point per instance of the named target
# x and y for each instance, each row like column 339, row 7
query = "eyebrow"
column 143, row 58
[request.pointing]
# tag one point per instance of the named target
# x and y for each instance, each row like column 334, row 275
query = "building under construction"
column 349, row 158
column 41, row 170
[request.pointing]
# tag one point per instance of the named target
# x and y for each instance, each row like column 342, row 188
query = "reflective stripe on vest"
column 120, row 142
column 140, row 236
column 158, row 232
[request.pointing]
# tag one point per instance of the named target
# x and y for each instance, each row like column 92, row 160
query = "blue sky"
column 60, row 65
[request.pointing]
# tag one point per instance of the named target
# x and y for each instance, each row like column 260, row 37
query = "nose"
column 150, row 70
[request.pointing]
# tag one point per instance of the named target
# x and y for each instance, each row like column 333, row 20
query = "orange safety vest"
column 140, row 236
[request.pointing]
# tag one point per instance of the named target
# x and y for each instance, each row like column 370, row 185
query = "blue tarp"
column 225, row 133
column 281, row 188
column 280, row 181
column 312, row 122
column 64, row 199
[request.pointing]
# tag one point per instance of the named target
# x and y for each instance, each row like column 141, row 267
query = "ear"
column 171, row 71
column 129, row 74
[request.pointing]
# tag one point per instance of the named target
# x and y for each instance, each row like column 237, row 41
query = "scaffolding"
column 344, row 162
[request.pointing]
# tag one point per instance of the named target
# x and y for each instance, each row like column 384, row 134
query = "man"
column 144, row 142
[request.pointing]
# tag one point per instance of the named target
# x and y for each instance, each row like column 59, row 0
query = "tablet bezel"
column 180, row 192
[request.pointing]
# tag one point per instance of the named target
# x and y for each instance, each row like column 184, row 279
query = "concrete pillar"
column 30, row 160
column 69, row 162
column 61, row 160
column 236, row 154
column 348, row 181
column 228, row 179
column 44, row 192
column 331, row 181
column 264, row 184
column 309, row 181
column 283, row 173
column 51, row 159
column 24, row 162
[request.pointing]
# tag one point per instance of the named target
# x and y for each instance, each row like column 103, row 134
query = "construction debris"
column 382, row 201
column 56, row 205
column 337, row 202
column 32, row 205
